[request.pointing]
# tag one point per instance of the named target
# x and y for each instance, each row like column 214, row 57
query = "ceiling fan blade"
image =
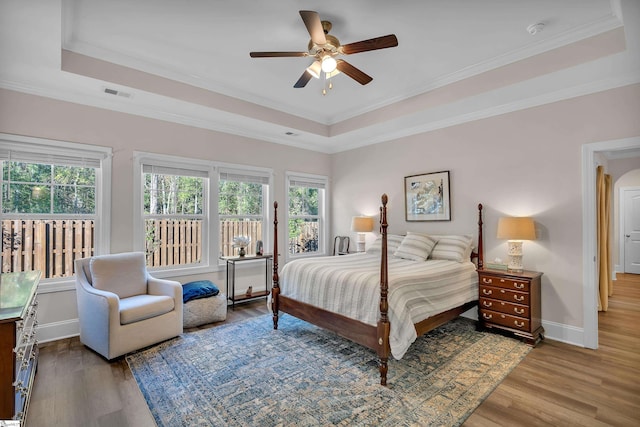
column 276, row 54
column 353, row 72
column 303, row 80
column 314, row 26
column 371, row 44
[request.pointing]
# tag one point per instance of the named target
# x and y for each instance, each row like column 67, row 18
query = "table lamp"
column 361, row 225
column 515, row 230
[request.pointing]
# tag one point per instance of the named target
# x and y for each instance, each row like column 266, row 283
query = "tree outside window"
column 173, row 217
column 241, row 209
column 49, row 213
column 306, row 215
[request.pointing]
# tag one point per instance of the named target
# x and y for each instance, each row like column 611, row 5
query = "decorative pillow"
column 199, row 289
column 416, row 247
column 452, row 247
column 123, row 274
column 393, row 242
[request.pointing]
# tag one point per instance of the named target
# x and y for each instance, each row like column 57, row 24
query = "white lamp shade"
column 328, row 64
column 314, row 69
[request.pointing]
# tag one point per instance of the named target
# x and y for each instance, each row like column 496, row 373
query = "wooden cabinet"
column 18, row 346
column 511, row 302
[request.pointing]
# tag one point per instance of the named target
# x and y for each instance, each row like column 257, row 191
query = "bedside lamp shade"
column 361, row 225
column 515, row 230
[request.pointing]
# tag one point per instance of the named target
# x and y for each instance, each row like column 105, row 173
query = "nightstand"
column 511, row 302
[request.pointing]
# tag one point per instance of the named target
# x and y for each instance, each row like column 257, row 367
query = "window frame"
column 211, row 258
column 253, row 171
column 323, row 209
column 57, row 151
column 173, row 162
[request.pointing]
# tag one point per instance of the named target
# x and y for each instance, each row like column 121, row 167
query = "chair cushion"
column 140, row 307
column 123, row 274
column 199, row 289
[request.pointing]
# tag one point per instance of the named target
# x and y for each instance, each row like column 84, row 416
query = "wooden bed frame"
column 373, row 337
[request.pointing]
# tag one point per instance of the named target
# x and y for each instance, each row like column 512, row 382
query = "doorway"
column 629, row 147
column 629, row 248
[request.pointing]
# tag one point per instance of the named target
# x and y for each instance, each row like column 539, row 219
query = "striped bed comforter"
column 350, row 285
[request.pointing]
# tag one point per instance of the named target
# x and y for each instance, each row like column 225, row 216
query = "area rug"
column 247, row 374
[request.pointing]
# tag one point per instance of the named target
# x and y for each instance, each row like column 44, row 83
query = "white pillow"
column 453, row 247
column 416, row 247
column 393, row 242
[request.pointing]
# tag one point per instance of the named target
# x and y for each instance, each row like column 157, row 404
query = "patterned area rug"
column 247, row 374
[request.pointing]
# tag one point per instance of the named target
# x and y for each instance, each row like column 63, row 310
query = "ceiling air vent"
column 117, row 92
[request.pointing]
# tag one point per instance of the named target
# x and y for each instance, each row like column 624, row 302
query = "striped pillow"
column 393, row 242
column 453, row 248
column 416, row 247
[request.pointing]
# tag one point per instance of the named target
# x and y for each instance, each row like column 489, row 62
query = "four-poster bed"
column 377, row 335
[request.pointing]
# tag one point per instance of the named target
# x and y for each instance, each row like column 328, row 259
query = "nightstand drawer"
column 507, row 320
column 504, row 294
column 505, row 307
column 502, row 282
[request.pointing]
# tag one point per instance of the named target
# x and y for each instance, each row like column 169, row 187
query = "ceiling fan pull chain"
column 324, row 87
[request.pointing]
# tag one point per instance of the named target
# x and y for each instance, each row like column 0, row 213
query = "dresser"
column 18, row 346
column 511, row 302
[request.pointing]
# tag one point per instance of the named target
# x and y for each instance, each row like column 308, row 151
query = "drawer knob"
column 487, row 316
column 485, row 280
column 519, row 285
column 518, row 324
column 518, row 297
column 518, row 310
column 487, row 291
column 487, row 303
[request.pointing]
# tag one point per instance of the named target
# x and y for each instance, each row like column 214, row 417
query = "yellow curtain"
column 603, row 189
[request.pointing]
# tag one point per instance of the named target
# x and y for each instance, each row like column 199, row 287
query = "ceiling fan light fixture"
column 315, row 69
column 333, row 73
column 328, row 64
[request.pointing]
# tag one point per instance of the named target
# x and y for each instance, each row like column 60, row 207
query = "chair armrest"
column 170, row 288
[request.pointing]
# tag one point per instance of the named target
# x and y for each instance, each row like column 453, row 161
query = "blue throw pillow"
column 199, row 289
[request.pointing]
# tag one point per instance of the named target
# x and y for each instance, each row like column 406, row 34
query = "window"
column 174, row 202
column 52, row 204
column 190, row 211
column 306, row 201
column 242, row 208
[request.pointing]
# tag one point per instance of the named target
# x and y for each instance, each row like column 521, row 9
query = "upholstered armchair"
column 121, row 307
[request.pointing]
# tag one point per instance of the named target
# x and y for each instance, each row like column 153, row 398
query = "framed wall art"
column 427, row 197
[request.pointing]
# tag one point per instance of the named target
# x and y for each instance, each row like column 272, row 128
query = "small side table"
column 511, row 302
column 231, row 278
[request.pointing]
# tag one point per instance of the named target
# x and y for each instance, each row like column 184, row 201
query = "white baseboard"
column 564, row 333
column 57, row 330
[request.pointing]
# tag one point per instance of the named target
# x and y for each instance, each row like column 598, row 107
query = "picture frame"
column 427, row 197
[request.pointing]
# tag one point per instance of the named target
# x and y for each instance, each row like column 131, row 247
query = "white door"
column 632, row 231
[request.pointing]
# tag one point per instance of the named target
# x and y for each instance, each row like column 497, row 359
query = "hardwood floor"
column 555, row 385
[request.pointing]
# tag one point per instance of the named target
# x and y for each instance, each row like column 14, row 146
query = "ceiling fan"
column 325, row 49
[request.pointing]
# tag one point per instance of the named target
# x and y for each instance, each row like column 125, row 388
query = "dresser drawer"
column 503, row 282
column 505, row 307
column 513, row 322
column 504, row 294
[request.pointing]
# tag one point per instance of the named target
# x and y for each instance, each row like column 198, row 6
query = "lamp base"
column 515, row 256
column 361, row 242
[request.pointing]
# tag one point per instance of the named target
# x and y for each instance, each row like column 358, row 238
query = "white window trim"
column 102, row 226
column 211, row 261
column 323, row 210
column 266, row 202
column 209, row 213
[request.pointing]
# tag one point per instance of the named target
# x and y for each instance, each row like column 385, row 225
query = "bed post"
column 275, row 289
column 383, row 322
column 480, row 244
